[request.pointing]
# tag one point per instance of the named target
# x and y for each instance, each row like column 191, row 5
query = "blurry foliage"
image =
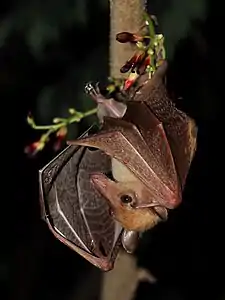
column 176, row 19
column 56, row 34
column 42, row 22
column 54, row 99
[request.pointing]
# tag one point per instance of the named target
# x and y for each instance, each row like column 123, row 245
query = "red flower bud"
column 130, row 80
column 129, row 64
column 57, row 145
column 128, row 37
column 142, row 64
column 33, row 148
column 147, row 61
column 61, row 133
column 128, row 83
column 124, row 37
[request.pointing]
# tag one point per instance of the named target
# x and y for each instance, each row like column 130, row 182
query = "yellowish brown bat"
column 151, row 147
column 147, row 145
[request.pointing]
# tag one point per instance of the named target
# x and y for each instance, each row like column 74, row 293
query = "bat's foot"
column 94, row 92
column 106, row 107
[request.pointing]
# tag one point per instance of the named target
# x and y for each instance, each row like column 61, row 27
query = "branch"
column 125, row 15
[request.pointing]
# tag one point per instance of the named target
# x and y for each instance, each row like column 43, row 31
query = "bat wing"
column 152, row 131
column 74, row 212
column 126, row 142
column 180, row 129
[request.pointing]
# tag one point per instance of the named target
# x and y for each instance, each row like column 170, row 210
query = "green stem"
column 150, row 25
column 46, row 127
column 76, row 118
column 89, row 113
column 44, row 137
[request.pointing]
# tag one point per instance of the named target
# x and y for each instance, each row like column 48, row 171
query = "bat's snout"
column 104, row 185
column 107, row 188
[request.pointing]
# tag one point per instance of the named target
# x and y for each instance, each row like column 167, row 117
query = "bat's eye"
column 126, row 199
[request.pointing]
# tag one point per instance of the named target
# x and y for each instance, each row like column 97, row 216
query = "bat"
column 107, row 187
column 152, row 146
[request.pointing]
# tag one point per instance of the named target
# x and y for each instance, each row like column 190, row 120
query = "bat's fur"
column 139, row 220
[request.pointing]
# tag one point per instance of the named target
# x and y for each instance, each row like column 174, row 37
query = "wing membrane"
column 75, row 213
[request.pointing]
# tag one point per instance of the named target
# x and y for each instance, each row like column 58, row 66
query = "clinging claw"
column 106, row 107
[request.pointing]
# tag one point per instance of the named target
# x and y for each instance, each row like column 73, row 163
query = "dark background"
column 48, row 50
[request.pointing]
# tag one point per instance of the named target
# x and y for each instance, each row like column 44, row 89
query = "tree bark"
column 125, row 15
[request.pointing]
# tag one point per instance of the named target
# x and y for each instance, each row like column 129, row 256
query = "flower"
column 130, row 80
column 30, row 120
column 138, row 63
column 150, row 50
column 132, row 63
column 129, row 64
column 35, row 147
column 60, row 134
column 128, row 37
column 143, row 64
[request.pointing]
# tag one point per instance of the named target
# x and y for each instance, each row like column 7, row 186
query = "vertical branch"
column 125, row 15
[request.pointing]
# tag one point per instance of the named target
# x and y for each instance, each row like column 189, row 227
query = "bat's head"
column 123, row 198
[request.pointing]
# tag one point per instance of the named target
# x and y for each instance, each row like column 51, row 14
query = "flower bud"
column 129, row 64
column 33, row 148
column 130, row 80
column 61, row 133
column 128, row 37
column 124, row 37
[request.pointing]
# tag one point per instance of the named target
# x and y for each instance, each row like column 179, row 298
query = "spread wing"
column 74, row 212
